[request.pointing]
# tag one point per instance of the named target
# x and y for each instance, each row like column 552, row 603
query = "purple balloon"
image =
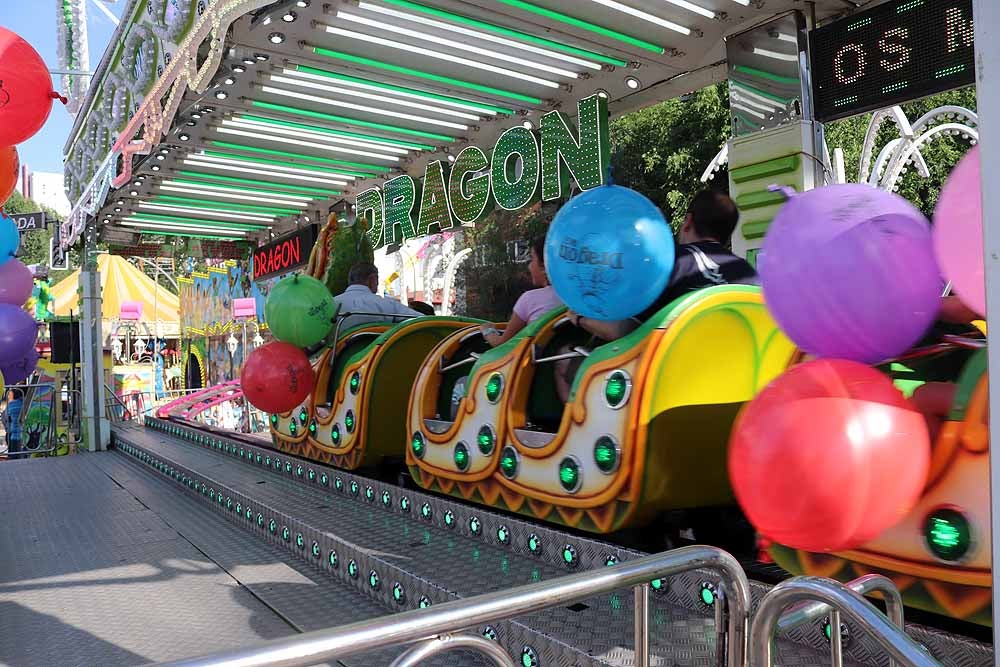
column 16, row 283
column 18, row 371
column 18, row 331
column 849, row 272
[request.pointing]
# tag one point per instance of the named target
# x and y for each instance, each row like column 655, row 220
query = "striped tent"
column 121, row 281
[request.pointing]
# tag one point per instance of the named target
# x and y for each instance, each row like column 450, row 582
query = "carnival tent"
column 121, row 281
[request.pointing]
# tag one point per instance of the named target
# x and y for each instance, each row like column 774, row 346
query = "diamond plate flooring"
column 103, row 563
column 90, row 576
column 601, row 628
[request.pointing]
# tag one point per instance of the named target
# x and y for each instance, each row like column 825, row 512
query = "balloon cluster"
column 26, row 97
column 278, row 376
column 831, row 454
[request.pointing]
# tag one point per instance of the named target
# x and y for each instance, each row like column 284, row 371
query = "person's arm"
column 604, row 329
column 956, row 312
column 496, row 340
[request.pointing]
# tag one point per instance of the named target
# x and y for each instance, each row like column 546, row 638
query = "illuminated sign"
column 524, row 166
column 898, row 51
column 284, row 254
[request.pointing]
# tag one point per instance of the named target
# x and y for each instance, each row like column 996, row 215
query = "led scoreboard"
column 898, row 51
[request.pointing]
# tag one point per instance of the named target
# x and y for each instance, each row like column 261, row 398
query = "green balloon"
column 299, row 310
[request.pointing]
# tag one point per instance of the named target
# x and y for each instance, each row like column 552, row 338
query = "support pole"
column 986, row 15
column 96, row 428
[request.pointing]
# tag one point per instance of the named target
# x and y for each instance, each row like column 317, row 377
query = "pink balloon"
column 16, row 283
column 958, row 232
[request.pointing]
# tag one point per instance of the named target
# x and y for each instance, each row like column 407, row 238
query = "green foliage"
column 662, row 150
column 347, row 246
column 35, row 245
column 494, row 275
column 941, row 154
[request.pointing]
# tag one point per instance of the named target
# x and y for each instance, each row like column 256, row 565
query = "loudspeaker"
column 65, row 342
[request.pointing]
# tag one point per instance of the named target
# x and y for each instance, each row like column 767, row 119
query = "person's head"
column 421, row 307
column 536, row 267
column 364, row 273
column 712, row 216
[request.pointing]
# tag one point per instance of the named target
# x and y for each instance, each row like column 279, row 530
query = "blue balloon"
column 609, row 253
column 10, row 239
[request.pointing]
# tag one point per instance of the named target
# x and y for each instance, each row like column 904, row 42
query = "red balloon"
column 25, row 89
column 828, row 456
column 9, row 166
column 276, row 377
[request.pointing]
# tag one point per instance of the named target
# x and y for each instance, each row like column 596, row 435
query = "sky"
column 35, row 21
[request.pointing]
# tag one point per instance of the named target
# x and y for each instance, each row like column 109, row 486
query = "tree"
column 662, row 150
column 941, row 154
column 35, row 245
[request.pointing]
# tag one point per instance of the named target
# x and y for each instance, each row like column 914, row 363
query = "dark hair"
column 421, row 307
column 714, row 215
column 361, row 272
column 538, row 245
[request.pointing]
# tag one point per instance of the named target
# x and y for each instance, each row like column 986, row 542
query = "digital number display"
column 898, row 51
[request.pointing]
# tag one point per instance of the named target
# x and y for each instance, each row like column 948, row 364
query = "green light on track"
column 351, row 121
column 494, row 386
column 503, row 535
column 373, row 580
column 569, row 555
column 707, row 595
column 461, row 457
column 475, row 525
column 352, row 569
column 616, row 388
column 657, row 584
column 424, row 602
column 314, row 550
column 947, row 534
column 457, row 83
column 569, row 474
column 425, row 511
column 355, row 382
column 335, row 434
column 332, row 559
column 485, row 439
column 534, row 543
column 417, row 445
column 508, row 462
column 449, row 518
column 398, row 593
column 349, row 421
column 605, row 454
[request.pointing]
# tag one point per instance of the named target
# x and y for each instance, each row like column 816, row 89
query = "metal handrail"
column 893, row 640
column 810, row 611
column 422, row 624
column 575, row 353
column 431, row 647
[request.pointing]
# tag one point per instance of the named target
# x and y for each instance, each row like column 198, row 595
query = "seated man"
column 702, row 260
column 361, row 297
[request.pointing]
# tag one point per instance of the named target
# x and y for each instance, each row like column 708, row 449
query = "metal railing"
column 811, row 611
column 130, row 407
column 427, row 626
column 30, row 419
column 896, row 643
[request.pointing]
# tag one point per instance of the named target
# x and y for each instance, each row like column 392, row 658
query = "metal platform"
column 104, row 563
column 400, row 548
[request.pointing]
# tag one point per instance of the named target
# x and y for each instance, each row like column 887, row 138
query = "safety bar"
column 423, row 624
column 811, row 611
column 472, row 358
column 576, row 353
column 846, row 601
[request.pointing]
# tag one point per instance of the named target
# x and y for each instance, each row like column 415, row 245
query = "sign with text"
column 284, row 254
column 523, row 167
column 29, row 222
column 898, row 51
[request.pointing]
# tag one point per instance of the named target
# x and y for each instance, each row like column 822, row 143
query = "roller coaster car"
column 939, row 554
column 645, row 429
column 355, row 416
